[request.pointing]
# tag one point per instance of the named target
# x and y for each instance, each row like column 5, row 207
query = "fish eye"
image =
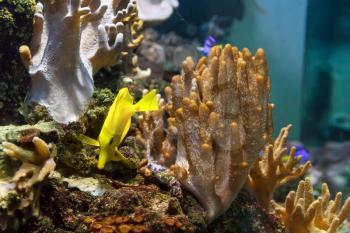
column 110, row 142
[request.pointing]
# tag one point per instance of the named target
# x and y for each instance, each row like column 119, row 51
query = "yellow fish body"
column 117, row 125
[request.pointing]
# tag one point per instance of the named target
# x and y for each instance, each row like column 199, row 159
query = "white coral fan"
column 72, row 40
column 154, row 11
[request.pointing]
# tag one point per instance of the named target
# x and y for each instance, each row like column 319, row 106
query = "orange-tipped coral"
column 270, row 171
column 219, row 120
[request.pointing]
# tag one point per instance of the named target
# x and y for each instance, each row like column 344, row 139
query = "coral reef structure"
column 270, row 171
column 302, row 213
column 220, row 119
column 19, row 196
column 155, row 11
column 211, row 135
column 72, row 41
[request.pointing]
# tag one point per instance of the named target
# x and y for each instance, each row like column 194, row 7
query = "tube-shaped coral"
column 220, row 113
column 302, row 213
column 72, row 40
column 270, row 172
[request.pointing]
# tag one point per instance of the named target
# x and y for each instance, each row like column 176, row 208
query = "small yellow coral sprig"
column 301, row 213
column 40, row 153
column 270, row 171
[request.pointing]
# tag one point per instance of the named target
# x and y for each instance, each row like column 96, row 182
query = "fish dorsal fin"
column 147, row 103
column 123, row 97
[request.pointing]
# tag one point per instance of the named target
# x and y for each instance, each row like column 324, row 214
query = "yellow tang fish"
column 117, row 125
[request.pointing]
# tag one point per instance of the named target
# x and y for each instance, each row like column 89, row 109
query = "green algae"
column 16, row 20
column 245, row 216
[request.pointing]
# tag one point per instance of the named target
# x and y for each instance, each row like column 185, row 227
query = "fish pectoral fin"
column 147, row 103
column 125, row 131
column 87, row 140
column 120, row 157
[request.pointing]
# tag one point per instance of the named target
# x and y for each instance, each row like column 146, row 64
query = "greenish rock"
column 14, row 133
column 35, row 113
column 42, row 225
column 246, row 216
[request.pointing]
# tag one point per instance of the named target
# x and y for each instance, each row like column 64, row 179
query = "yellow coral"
column 270, row 171
column 36, row 165
column 40, row 153
column 302, row 213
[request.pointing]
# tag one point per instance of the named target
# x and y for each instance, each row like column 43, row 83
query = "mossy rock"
column 65, row 208
column 16, row 20
column 246, row 216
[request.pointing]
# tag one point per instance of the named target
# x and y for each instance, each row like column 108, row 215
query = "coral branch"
column 270, row 171
column 19, row 196
column 302, row 213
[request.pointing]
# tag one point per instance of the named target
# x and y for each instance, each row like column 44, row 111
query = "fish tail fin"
column 148, row 103
column 103, row 158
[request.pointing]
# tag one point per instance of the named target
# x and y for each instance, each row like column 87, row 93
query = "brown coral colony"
column 219, row 120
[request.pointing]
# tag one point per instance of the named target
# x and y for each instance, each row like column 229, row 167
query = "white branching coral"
column 220, row 119
column 154, row 11
column 72, row 40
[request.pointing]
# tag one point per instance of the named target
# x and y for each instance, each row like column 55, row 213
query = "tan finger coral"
column 72, row 40
column 302, row 213
column 19, row 195
column 219, row 120
column 270, row 171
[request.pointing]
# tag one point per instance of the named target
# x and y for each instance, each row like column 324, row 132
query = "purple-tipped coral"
column 72, row 40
